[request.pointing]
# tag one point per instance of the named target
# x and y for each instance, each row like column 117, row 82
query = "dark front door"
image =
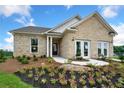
column 55, row 48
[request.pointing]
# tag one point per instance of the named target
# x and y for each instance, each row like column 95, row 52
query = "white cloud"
column 9, row 10
column 109, row 11
column 10, row 38
column 119, row 39
column 25, row 21
column 23, row 11
column 9, row 42
column 68, row 6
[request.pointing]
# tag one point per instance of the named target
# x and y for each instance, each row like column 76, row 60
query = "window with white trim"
column 99, row 49
column 102, row 48
column 78, row 50
column 34, row 45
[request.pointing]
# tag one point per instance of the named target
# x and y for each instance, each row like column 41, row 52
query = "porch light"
column 72, row 38
column 112, row 33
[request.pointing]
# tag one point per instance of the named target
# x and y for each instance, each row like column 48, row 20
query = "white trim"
column 100, row 18
column 102, row 47
column 47, row 46
column 51, row 47
column 82, row 48
column 77, row 16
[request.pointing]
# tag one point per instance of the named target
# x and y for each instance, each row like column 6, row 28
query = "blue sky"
column 12, row 17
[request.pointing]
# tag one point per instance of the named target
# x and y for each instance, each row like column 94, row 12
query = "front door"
column 55, row 49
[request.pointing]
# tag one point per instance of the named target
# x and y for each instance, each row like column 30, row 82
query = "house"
column 88, row 37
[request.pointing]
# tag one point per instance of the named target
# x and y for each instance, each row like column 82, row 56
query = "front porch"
column 53, row 46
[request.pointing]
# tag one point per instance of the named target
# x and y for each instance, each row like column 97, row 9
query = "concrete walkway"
column 91, row 61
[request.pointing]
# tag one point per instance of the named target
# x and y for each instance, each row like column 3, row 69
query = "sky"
column 13, row 17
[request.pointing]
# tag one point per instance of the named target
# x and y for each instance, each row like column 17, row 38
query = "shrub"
column 43, row 80
column 24, row 61
column 102, row 57
column 35, row 58
column 28, row 58
column 2, row 56
column 90, row 65
column 121, row 58
column 73, row 83
column 51, row 74
column 91, row 82
column 53, row 81
column 19, row 58
column 50, row 59
column 30, row 75
column 82, row 81
column 41, row 56
column 44, row 56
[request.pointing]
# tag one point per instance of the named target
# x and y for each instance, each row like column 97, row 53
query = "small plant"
column 69, row 61
column 24, row 61
column 63, row 81
column 91, row 81
column 98, row 74
column 28, row 58
column 50, row 59
column 43, row 80
column 42, row 72
column 23, row 71
column 30, row 75
column 99, row 80
column 35, row 58
column 53, row 81
column 73, row 76
column 44, row 56
column 51, row 74
column 19, row 58
column 90, row 65
column 73, row 83
column 41, row 56
column 82, row 81
column 102, row 57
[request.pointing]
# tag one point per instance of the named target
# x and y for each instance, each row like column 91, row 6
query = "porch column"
column 47, row 46
column 51, row 47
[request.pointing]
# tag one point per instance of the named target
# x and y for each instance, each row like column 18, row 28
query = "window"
column 34, row 45
column 105, row 49
column 102, row 48
column 99, row 49
column 78, row 50
column 85, row 48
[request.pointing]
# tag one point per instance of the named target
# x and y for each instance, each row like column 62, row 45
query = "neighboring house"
column 87, row 37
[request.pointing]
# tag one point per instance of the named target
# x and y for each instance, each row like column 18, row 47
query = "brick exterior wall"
column 22, row 45
column 91, row 30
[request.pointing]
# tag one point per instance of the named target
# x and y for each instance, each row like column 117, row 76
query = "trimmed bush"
column 23, row 59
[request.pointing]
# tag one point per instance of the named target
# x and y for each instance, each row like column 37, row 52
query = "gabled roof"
column 100, row 19
column 31, row 29
column 66, row 21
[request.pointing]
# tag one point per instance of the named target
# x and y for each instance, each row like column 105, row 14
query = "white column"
column 51, row 47
column 47, row 46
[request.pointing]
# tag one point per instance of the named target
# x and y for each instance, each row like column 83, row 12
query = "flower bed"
column 49, row 77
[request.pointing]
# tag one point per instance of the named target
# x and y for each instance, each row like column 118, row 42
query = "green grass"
column 11, row 81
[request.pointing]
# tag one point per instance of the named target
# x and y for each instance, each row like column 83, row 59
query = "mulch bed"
column 12, row 65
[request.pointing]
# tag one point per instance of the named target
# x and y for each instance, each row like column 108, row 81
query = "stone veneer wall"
column 22, row 45
column 91, row 30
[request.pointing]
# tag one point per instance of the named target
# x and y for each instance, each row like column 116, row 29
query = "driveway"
column 91, row 61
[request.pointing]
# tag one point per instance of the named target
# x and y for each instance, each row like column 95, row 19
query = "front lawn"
column 11, row 81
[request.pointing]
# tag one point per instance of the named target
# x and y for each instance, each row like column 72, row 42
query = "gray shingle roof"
column 30, row 29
